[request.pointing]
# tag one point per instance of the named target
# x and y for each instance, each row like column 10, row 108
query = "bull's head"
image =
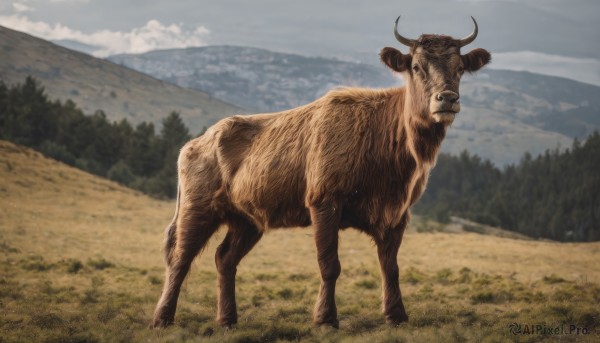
column 433, row 69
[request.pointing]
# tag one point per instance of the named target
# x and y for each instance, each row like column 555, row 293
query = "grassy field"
column 81, row 261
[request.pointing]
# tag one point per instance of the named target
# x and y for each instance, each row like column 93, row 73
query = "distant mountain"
column 253, row 78
column 95, row 84
column 568, row 107
column 505, row 113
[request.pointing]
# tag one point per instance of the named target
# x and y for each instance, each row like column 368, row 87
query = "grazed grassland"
column 80, row 261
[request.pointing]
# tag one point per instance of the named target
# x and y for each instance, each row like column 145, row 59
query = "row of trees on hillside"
column 555, row 195
column 138, row 156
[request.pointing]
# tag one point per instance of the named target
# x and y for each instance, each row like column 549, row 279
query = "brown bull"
column 353, row 158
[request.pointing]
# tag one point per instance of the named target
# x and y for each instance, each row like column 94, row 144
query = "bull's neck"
column 424, row 135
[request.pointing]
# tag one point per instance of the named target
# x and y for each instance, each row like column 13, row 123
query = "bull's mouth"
column 444, row 113
column 444, row 116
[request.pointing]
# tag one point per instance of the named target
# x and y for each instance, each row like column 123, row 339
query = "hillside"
column 48, row 208
column 99, row 84
column 80, row 260
column 504, row 113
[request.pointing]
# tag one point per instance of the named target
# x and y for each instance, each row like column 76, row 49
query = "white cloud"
column 20, row 7
column 152, row 36
column 580, row 69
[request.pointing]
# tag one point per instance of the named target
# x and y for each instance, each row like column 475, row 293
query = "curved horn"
column 403, row 40
column 471, row 37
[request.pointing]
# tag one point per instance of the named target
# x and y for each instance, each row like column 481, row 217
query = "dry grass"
column 81, row 261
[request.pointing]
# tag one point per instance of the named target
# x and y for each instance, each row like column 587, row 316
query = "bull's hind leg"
column 186, row 237
column 326, row 220
column 240, row 239
column 387, row 250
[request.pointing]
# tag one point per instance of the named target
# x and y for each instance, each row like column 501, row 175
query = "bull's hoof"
column 228, row 326
column 160, row 323
column 397, row 319
column 227, row 323
column 334, row 323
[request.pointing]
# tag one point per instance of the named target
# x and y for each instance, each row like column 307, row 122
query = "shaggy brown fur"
column 353, row 158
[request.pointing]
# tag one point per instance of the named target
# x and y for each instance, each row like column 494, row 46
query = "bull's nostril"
column 447, row 96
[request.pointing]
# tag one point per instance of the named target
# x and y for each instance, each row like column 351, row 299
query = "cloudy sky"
column 555, row 37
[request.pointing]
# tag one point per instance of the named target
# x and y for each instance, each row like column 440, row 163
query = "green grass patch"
column 74, row 266
column 497, row 296
column 36, row 263
column 366, row 284
column 300, row 277
column 553, row 279
column 265, row 277
column 155, row 280
column 444, row 276
column 100, row 263
column 412, row 275
column 285, row 293
column 4, row 247
column 47, row 321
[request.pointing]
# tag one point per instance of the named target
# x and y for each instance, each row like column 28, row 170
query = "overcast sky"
column 547, row 36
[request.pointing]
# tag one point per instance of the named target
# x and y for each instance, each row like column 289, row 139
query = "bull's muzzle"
column 444, row 106
column 447, row 97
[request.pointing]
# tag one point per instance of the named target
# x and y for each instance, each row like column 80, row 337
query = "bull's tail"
column 170, row 232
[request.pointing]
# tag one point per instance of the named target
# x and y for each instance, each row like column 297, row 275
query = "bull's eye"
column 461, row 70
column 416, row 68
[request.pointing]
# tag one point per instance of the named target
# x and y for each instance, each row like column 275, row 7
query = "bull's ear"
column 476, row 59
column 395, row 59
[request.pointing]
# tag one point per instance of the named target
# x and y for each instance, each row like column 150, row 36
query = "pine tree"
column 144, row 153
column 173, row 135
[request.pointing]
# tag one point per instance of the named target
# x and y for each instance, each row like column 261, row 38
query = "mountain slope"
column 504, row 114
column 98, row 84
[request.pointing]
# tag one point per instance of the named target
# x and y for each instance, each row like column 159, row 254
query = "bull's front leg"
column 387, row 250
column 326, row 221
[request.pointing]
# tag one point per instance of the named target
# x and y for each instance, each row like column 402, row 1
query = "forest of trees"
column 137, row 157
column 555, row 195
